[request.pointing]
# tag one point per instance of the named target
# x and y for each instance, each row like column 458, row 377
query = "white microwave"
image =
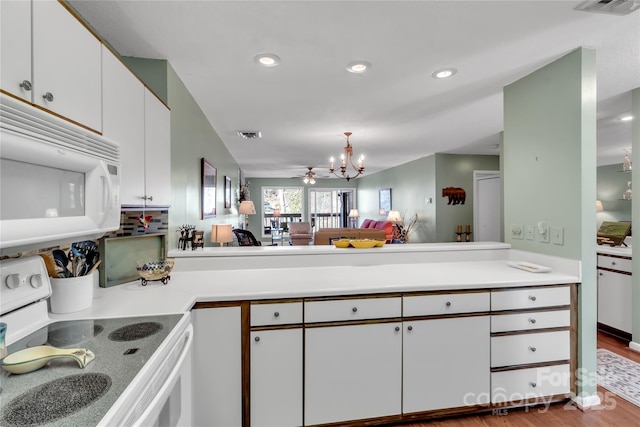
column 59, row 182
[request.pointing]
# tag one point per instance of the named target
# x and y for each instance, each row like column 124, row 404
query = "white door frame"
column 479, row 175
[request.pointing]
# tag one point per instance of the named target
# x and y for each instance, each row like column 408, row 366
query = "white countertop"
column 188, row 287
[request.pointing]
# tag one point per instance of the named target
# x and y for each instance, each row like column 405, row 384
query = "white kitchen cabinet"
column 15, row 48
column 66, row 64
column 276, row 378
column 614, row 299
column 217, row 367
column 157, row 151
column 352, row 372
column 123, row 122
column 460, row 343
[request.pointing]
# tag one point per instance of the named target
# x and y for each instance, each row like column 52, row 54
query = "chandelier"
column 309, row 176
column 347, row 159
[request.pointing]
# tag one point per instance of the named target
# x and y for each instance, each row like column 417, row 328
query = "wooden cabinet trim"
column 530, row 331
column 628, row 273
column 530, row 365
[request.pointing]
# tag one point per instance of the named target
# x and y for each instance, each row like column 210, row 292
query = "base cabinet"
column 461, row 343
column 614, row 292
column 276, row 378
column 352, row 372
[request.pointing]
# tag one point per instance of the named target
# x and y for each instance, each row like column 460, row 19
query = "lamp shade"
column 246, row 208
column 221, row 233
column 394, row 216
column 599, row 207
column 353, row 213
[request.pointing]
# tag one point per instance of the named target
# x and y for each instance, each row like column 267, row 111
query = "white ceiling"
column 396, row 111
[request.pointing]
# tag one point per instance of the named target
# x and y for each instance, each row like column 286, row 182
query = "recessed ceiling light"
column 444, row 73
column 626, row 118
column 358, row 67
column 267, row 59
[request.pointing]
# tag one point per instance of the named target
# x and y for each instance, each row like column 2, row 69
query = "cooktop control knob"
column 36, row 280
column 13, row 280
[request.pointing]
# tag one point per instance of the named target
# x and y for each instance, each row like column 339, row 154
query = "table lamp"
column 221, row 233
column 246, row 208
column 396, row 219
column 354, row 214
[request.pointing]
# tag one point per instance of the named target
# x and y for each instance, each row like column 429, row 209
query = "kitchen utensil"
column 93, row 267
column 33, row 358
column 62, row 262
column 50, row 264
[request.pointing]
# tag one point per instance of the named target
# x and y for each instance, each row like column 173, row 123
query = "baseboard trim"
column 634, row 346
column 586, row 402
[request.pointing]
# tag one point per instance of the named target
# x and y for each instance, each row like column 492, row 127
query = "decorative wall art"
column 456, row 195
column 384, row 201
column 209, row 177
column 227, row 192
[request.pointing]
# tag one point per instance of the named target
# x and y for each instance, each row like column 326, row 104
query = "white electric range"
column 141, row 374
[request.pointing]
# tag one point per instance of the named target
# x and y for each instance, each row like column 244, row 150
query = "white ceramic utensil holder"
column 71, row 294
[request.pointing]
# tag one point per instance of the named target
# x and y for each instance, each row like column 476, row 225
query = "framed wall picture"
column 227, row 192
column 209, row 177
column 384, row 201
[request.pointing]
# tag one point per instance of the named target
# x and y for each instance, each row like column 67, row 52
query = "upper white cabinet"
column 157, row 150
column 15, row 48
column 123, row 122
column 140, row 123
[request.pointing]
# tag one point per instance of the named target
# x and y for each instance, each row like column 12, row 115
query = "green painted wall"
column 151, row 71
column 611, row 183
column 635, row 214
column 550, row 174
column 453, row 170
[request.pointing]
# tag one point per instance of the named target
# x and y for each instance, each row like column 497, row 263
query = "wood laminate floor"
column 615, row 411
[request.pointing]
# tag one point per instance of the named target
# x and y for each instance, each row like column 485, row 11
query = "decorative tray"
column 358, row 243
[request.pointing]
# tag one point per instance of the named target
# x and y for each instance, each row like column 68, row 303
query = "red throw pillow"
column 366, row 223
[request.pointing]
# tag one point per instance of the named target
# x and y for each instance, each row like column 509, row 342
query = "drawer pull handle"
column 448, row 304
column 26, row 85
column 532, row 297
column 533, row 349
column 601, row 273
column 532, row 384
column 354, row 309
column 532, row 320
column 409, row 328
column 276, row 314
column 397, row 328
column 613, row 263
column 257, row 339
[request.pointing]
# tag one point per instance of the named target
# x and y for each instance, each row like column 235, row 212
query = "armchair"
column 300, row 233
column 246, row 238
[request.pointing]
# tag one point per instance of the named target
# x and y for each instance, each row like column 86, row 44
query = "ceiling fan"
column 310, row 176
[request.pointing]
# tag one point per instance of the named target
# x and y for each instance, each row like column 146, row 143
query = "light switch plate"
column 530, row 232
column 543, row 231
column 517, row 231
column 557, row 235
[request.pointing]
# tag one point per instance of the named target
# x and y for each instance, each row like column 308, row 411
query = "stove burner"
column 73, row 334
column 135, row 331
column 55, row 399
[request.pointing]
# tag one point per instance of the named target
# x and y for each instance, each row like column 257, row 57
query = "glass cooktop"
column 61, row 393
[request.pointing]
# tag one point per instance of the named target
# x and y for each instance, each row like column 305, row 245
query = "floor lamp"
column 246, row 208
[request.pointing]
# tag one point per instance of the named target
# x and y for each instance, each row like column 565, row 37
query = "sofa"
column 300, row 233
column 386, row 226
column 325, row 235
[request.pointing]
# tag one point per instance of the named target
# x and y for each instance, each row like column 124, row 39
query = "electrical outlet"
column 557, row 235
column 517, row 231
column 530, row 232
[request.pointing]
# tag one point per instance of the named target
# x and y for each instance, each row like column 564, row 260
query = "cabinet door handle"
column 448, row 304
column 257, row 339
column 276, row 314
column 409, row 328
column 150, row 198
column 532, row 384
column 532, row 320
column 354, row 309
column 397, row 328
column 26, row 85
column 601, row 273
column 533, row 349
column 613, row 263
column 48, row 97
column 532, row 297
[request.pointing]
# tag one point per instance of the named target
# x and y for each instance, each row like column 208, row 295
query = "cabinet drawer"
column 284, row 313
column 351, row 309
column 426, row 305
column 530, row 298
column 529, row 321
column 519, row 384
column 530, row 348
column 620, row 264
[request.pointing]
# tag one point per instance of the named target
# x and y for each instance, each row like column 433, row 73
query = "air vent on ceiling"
column 614, row 7
column 249, row 134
